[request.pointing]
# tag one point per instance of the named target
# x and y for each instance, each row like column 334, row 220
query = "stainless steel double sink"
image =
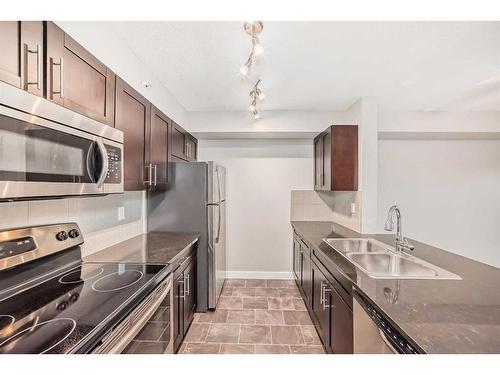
column 382, row 261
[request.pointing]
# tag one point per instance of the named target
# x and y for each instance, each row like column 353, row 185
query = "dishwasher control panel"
column 397, row 340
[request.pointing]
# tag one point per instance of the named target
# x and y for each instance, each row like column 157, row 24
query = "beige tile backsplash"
column 309, row 205
column 96, row 216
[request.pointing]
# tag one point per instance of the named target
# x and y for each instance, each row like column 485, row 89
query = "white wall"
column 260, row 176
column 448, row 192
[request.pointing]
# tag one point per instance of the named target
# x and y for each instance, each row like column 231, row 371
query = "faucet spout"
column 401, row 242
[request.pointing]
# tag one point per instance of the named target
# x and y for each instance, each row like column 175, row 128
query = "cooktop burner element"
column 71, row 311
column 117, row 280
column 80, row 275
column 56, row 330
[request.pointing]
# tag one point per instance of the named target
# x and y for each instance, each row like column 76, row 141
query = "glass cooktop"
column 70, row 312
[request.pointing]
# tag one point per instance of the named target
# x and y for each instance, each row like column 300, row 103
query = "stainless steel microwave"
column 49, row 151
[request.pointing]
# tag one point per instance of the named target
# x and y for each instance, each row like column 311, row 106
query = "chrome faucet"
column 401, row 242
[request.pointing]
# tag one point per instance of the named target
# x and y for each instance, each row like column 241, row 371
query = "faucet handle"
column 404, row 244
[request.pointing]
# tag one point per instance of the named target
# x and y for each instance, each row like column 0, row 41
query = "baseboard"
column 259, row 275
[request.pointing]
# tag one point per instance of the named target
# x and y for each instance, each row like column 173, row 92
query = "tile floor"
column 254, row 317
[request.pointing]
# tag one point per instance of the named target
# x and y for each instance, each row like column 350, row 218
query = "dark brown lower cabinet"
column 321, row 313
column 306, row 279
column 190, row 294
column 184, row 307
column 325, row 298
column 341, row 325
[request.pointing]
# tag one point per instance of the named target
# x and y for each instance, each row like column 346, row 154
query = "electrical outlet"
column 121, row 213
column 353, row 208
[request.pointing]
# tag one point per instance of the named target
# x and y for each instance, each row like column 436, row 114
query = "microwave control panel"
column 114, row 175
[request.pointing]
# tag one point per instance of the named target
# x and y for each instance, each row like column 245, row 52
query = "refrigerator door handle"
column 218, row 208
column 218, row 226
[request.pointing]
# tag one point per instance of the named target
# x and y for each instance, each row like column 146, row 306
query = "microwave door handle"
column 105, row 165
column 91, row 162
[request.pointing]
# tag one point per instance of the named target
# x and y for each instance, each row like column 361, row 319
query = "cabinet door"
column 178, row 311
column 320, row 312
column 178, row 135
column 21, row 60
column 190, row 294
column 157, row 148
column 318, row 163
column 76, row 79
column 296, row 260
column 341, row 325
column 132, row 117
column 326, row 158
column 191, row 147
column 306, row 278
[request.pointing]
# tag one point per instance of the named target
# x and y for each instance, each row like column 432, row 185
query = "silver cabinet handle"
column 60, row 64
column 324, row 290
column 149, row 181
column 183, row 296
column 322, row 297
column 155, row 169
column 38, row 52
column 186, row 284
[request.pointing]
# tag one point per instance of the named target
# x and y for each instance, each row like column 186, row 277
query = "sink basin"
column 381, row 261
column 391, row 266
column 358, row 245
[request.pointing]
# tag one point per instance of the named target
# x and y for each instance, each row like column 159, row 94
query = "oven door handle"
column 120, row 337
column 105, row 165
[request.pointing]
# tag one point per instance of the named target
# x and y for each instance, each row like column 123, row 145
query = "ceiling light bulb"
column 261, row 96
column 258, row 49
column 244, row 70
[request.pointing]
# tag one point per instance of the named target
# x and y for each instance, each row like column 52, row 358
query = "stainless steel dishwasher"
column 373, row 333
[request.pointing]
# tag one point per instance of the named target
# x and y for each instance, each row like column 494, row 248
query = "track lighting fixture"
column 253, row 29
column 255, row 94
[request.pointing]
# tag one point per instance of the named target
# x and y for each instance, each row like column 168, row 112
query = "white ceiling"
column 323, row 65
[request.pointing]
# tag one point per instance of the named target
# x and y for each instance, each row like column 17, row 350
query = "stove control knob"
column 62, row 235
column 73, row 233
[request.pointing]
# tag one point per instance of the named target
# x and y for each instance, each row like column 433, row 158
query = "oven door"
column 148, row 329
column 41, row 158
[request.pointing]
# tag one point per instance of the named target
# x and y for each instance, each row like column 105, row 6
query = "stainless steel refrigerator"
column 196, row 202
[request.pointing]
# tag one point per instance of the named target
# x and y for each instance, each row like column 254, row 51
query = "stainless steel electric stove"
column 52, row 302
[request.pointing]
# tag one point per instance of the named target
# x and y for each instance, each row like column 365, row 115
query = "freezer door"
column 217, row 258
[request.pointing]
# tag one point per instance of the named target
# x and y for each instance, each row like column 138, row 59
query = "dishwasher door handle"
column 387, row 342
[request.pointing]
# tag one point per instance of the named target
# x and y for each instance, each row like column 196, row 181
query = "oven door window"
column 34, row 153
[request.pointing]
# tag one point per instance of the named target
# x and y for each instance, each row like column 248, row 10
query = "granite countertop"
column 441, row 316
column 153, row 247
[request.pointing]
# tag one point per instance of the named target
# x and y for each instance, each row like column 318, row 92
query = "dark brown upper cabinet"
column 146, row 139
column 158, row 149
column 77, row 80
column 21, row 57
column 184, row 146
column 132, row 116
column 336, row 159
